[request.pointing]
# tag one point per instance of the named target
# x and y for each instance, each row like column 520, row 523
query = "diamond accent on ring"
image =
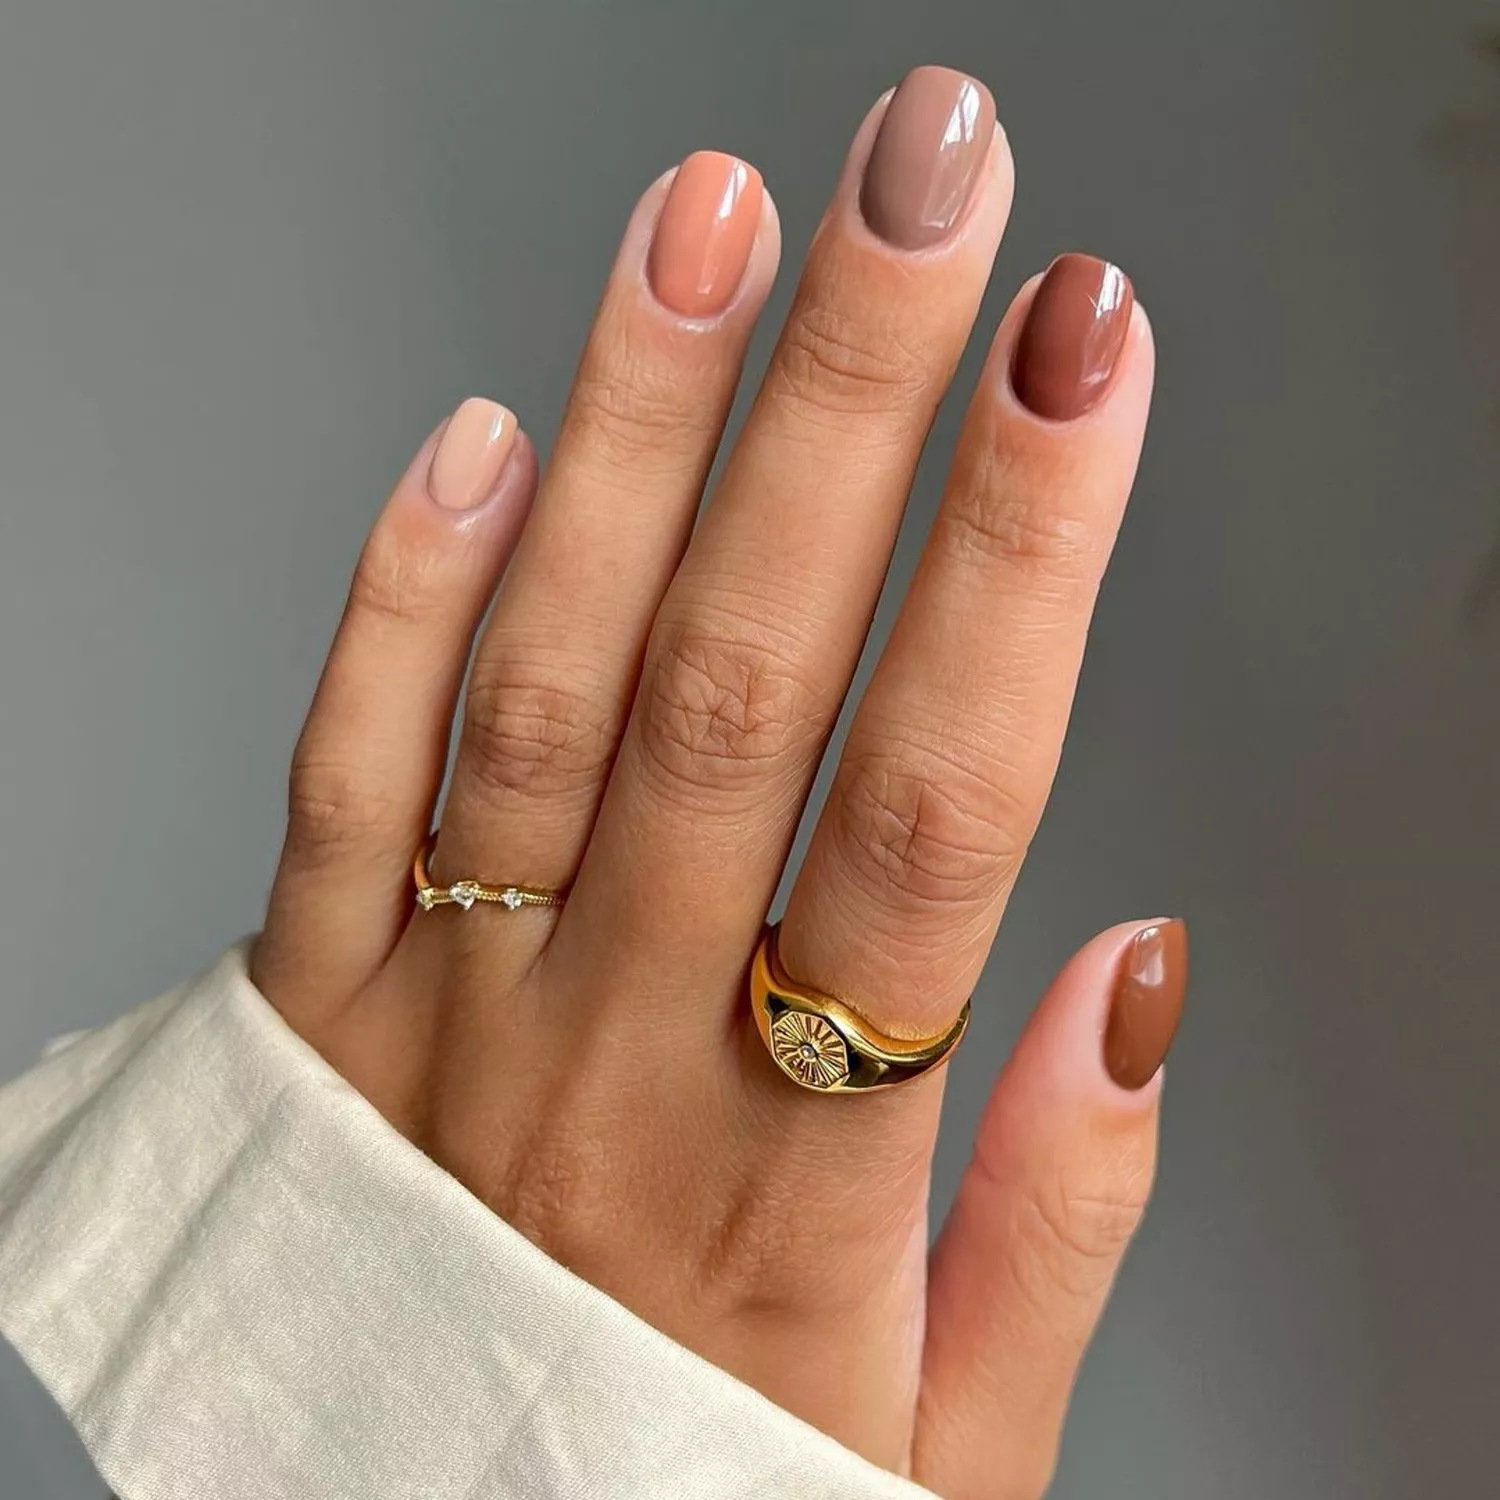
column 809, row 1050
column 511, row 899
column 424, row 898
column 465, row 893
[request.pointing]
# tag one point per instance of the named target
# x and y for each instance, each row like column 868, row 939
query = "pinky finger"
column 370, row 760
column 1061, row 1171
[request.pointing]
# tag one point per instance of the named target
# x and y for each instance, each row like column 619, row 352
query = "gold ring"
column 465, row 893
column 820, row 1043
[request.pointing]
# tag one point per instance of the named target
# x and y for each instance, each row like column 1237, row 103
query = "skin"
column 646, row 712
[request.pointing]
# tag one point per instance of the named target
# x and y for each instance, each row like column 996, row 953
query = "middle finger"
column 758, row 636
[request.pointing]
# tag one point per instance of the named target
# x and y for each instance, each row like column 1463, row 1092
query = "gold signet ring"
column 822, row 1044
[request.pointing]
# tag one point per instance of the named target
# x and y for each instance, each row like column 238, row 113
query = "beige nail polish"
column 471, row 454
column 706, row 234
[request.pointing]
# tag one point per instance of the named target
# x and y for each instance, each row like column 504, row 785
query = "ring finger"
column 948, row 762
column 952, row 752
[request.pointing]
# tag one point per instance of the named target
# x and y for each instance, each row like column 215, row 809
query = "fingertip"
column 1147, row 991
column 471, row 454
column 1140, row 322
column 884, row 203
column 768, row 245
column 1138, row 357
column 702, row 245
column 1102, row 1031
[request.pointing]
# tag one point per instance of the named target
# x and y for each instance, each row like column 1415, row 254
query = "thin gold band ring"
column 465, row 893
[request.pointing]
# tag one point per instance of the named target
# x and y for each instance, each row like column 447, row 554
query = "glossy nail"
column 1146, row 1005
column 705, row 234
column 471, row 454
column 928, row 154
column 1072, row 337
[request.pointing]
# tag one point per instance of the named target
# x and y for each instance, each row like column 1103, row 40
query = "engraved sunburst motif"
column 809, row 1049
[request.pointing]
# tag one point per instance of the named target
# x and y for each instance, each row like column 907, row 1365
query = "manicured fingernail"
column 705, row 234
column 471, row 454
column 927, row 156
column 1071, row 340
column 1150, row 986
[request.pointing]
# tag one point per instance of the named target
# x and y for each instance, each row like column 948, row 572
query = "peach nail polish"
column 705, row 234
column 471, row 454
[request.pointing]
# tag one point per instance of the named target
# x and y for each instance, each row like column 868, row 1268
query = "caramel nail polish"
column 1072, row 337
column 1149, row 988
column 471, row 454
column 928, row 154
column 706, row 232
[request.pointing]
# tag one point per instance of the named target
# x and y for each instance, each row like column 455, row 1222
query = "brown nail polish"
column 1150, row 986
column 705, row 235
column 1072, row 337
column 927, row 156
column 471, row 454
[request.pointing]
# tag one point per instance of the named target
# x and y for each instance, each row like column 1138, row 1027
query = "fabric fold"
column 240, row 1283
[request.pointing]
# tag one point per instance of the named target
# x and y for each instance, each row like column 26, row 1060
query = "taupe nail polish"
column 928, row 154
column 1071, row 341
column 1146, row 1004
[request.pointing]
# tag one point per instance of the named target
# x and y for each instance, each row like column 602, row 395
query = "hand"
column 647, row 709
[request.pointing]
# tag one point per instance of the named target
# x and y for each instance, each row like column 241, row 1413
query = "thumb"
column 1062, row 1167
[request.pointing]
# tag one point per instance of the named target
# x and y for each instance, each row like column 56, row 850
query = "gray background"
column 250, row 250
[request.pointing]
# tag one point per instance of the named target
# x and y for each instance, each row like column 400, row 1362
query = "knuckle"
column 333, row 810
column 551, row 1198
column 1071, row 1240
column 533, row 739
column 630, row 415
column 554, row 1183
column 719, row 711
column 748, row 1252
column 395, row 584
column 1034, row 535
column 833, row 364
column 756, row 1258
column 925, row 832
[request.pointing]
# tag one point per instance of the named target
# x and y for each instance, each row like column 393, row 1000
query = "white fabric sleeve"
column 241, row 1283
